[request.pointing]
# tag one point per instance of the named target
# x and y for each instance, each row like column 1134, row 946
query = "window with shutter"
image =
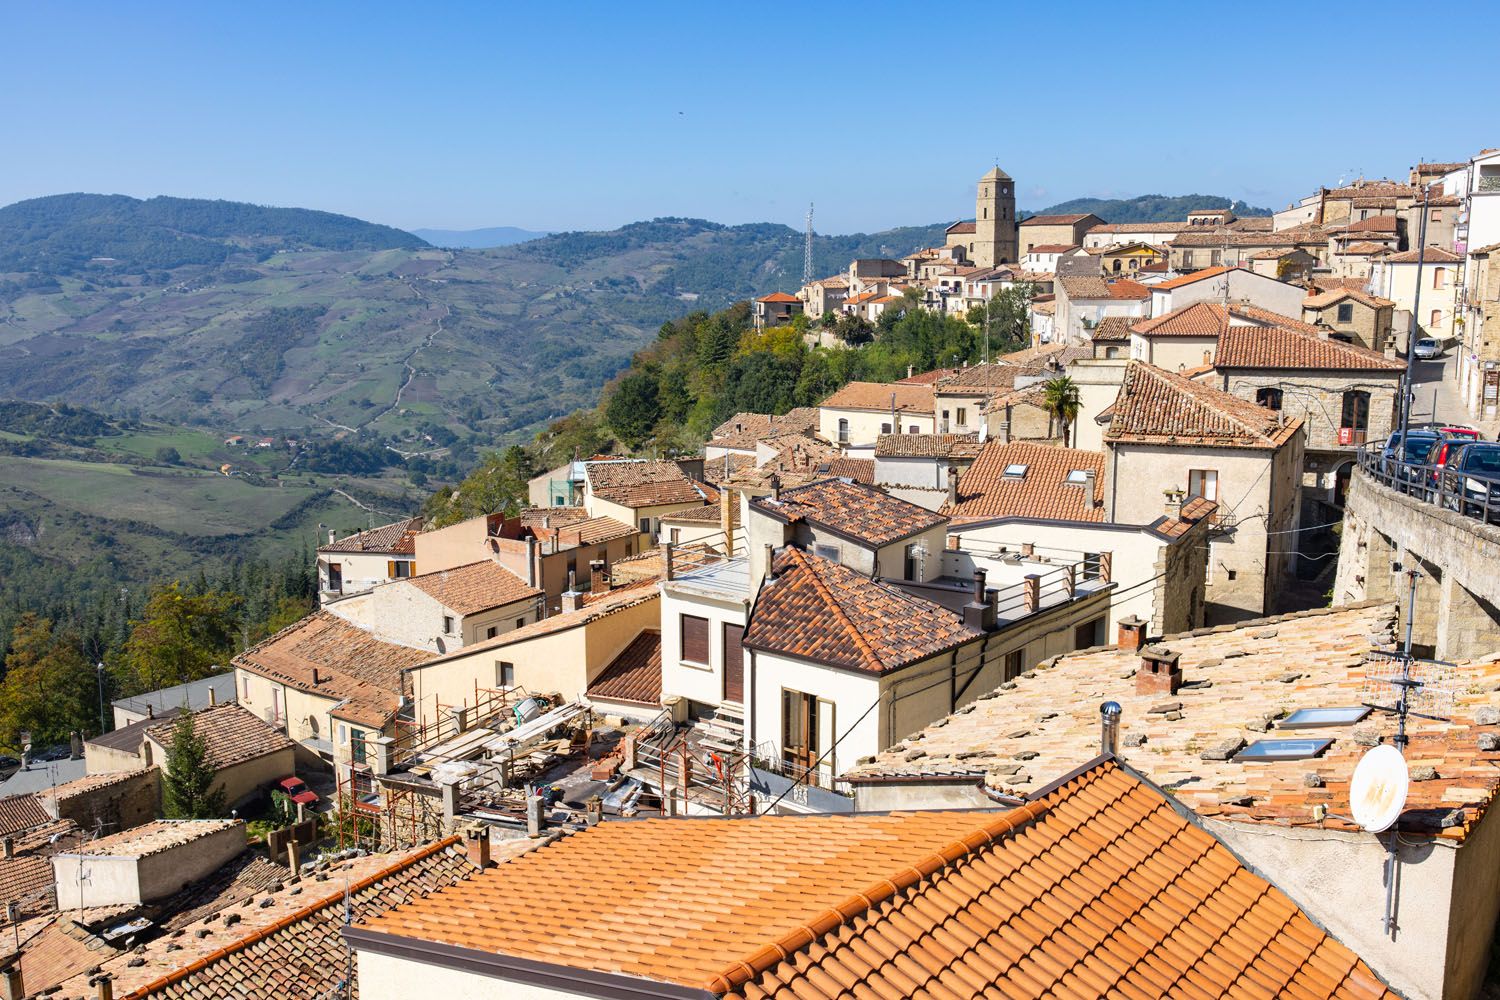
column 695, row 639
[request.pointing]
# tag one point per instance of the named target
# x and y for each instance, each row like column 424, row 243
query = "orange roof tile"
column 634, row 675
column 1278, row 347
column 1056, row 220
column 1160, row 407
column 927, row 446
column 231, row 735
column 817, row 610
column 778, row 297
column 909, row 398
column 985, row 492
column 1200, row 319
column 473, row 588
column 1021, row 903
column 642, row 484
column 861, row 513
column 392, row 539
column 1324, row 299
column 1188, row 279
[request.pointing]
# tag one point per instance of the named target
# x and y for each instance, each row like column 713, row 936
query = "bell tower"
column 995, row 220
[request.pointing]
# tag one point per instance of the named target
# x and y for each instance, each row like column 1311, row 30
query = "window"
column 909, row 563
column 245, row 687
column 1437, row 319
column 1187, row 258
column 1014, row 663
column 491, row 632
column 1116, row 266
column 447, row 624
column 1283, row 749
column 1356, row 415
column 1317, row 718
column 1346, row 312
column 1203, row 483
column 645, row 525
column 829, row 552
column 1092, row 566
column 1016, row 470
column 505, row 674
column 884, row 429
column 913, row 429
column 356, row 745
column 1437, row 215
column 1089, row 634
column 695, row 639
column 843, row 431
column 399, row 569
column 963, row 416
column 807, row 732
column 520, row 622
column 1440, row 277
column 1269, row 397
column 676, row 536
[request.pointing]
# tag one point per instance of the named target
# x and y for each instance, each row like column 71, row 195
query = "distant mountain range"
column 1147, row 207
column 479, row 239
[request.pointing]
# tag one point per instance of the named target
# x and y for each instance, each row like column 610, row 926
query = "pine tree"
column 187, row 785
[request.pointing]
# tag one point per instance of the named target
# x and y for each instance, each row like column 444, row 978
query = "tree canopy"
column 188, row 790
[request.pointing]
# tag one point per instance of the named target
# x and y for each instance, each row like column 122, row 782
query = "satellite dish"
column 1377, row 792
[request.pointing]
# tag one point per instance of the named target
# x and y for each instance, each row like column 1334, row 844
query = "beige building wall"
column 1398, row 282
column 561, row 663
column 402, row 613
column 645, row 518
column 304, row 716
column 699, row 682
column 382, row 977
column 1098, row 382
column 1367, row 326
column 1174, row 354
column 1317, row 399
column 113, row 880
column 360, row 570
column 866, row 425
column 456, row 545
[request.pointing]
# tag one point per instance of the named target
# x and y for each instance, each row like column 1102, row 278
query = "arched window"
column 1269, row 397
column 1117, row 265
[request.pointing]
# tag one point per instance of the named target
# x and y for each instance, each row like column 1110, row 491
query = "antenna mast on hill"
column 807, row 271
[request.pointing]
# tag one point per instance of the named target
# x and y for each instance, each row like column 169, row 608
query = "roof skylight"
column 1078, row 476
column 1016, row 470
column 1283, row 749
column 1317, row 718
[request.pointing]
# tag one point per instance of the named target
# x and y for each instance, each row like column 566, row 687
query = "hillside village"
column 1028, row 677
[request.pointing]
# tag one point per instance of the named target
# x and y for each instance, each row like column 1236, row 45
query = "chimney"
column 150, row 710
column 331, row 536
column 546, row 522
column 727, row 500
column 953, row 485
column 1109, row 728
column 14, row 990
column 531, row 560
column 775, row 487
column 477, row 845
column 1160, row 672
column 213, row 696
column 667, row 558
column 1173, row 506
column 598, row 581
column 770, row 561
column 1131, row 633
column 104, row 985
column 909, row 370
column 536, row 819
column 571, row 600
column 1090, row 484
column 315, row 678
column 8, row 848
column 979, row 613
column 75, row 745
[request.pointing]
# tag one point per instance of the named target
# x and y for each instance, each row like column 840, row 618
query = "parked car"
column 1427, row 349
column 297, row 790
column 1447, row 452
column 1451, row 430
column 1403, row 464
column 1474, row 476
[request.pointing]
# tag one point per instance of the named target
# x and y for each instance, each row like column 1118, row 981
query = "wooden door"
column 734, row 663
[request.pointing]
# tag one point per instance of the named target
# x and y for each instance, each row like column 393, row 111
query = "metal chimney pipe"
column 1109, row 728
column 979, row 576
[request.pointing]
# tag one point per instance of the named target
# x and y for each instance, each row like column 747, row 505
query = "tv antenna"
column 807, row 271
column 1401, row 685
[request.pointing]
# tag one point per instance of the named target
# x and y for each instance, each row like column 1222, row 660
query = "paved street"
column 1437, row 393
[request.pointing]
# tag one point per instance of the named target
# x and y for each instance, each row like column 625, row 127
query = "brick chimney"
column 1173, row 505
column 1131, row 633
column 1160, row 672
column 953, row 485
column 598, row 580
column 477, row 845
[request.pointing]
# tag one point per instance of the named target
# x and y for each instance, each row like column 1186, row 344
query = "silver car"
column 1427, row 349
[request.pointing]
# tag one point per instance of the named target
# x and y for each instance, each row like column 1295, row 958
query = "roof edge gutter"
column 605, row 985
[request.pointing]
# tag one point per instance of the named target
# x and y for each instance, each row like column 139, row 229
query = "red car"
column 297, row 790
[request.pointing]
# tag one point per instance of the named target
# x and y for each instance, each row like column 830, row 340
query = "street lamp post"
column 99, row 668
column 1408, row 389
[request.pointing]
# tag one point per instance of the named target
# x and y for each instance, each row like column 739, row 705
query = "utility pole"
column 1407, row 391
column 807, row 270
column 99, row 668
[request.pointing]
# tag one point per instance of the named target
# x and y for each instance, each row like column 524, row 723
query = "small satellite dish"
column 1377, row 792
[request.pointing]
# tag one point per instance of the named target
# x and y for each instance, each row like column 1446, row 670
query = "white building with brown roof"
column 1394, row 276
column 1083, row 302
column 639, row 493
column 1171, row 439
column 740, row 434
column 357, row 562
column 854, row 416
column 446, row 609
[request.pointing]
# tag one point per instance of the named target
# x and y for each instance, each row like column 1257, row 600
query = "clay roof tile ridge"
column 856, row 904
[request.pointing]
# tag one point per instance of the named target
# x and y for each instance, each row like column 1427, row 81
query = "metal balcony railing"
column 1437, row 485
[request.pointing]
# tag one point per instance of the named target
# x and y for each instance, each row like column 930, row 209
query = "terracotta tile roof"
column 292, row 947
column 54, row 949
column 1265, row 317
column 1276, row 347
column 642, row 484
column 1201, row 319
column 592, row 531
column 1432, row 255
column 778, row 297
column 352, row 665
column 926, row 378
column 1373, row 189
column 1332, row 296
column 555, row 517
column 1160, row 407
column 153, row 838
column 1485, row 251
column 1236, row 678
column 635, row 675
column 478, row 586
column 1055, row 220
column 1084, row 287
column 1374, row 224
column 999, row 374
column 1275, row 253
column 721, row 470
column 92, row 782
column 861, row 470
column 27, row 878
column 985, row 492
column 1440, row 168
column 1058, row 911
column 1141, row 227
column 391, row 539
column 1031, row 395
column 1364, row 249
column 231, row 735
column 837, row 281
column 1297, row 236
column 1188, row 279
column 927, row 446
column 704, row 515
column 818, row 610
column 1033, row 359
column 612, row 602
column 1020, row 903
column 743, row 430
column 21, row 812
column 1113, row 328
column 1124, row 288
column 860, row 513
column 960, row 228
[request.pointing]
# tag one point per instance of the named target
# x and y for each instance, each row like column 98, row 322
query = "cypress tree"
column 187, row 786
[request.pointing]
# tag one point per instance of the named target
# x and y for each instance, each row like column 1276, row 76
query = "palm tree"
column 1061, row 400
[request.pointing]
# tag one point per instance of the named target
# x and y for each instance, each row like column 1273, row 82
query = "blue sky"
column 563, row 116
